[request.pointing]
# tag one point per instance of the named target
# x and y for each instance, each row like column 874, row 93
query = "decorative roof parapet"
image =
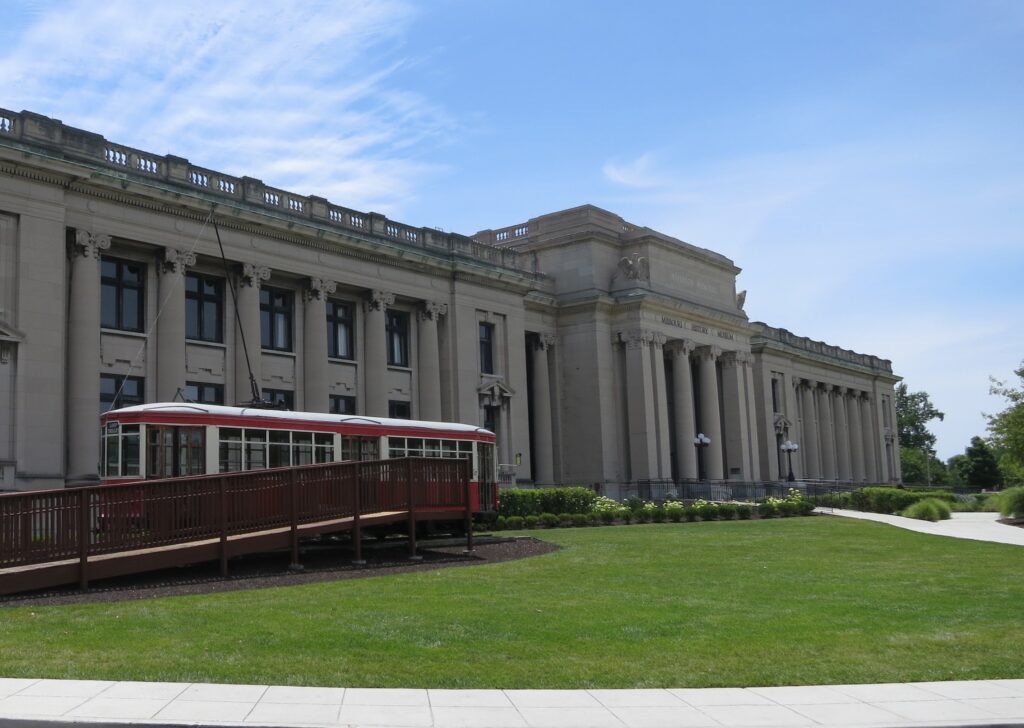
column 765, row 335
column 38, row 131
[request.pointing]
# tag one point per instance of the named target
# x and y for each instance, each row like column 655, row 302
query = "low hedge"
column 1011, row 502
column 534, row 502
column 892, row 500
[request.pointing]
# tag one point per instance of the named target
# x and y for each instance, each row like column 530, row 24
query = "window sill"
column 124, row 332
column 276, row 352
column 399, row 368
column 204, row 342
column 341, row 360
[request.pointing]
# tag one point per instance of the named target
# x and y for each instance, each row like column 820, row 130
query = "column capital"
column 432, row 311
column 318, row 289
column 89, row 245
column 174, row 261
column 824, row 386
column 636, row 338
column 680, row 347
column 377, row 300
column 735, row 358
column 253, row 275
column 543, row 342
column 658, row 339
column 710, row 353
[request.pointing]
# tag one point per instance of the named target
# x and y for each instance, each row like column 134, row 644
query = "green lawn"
column 777, row 602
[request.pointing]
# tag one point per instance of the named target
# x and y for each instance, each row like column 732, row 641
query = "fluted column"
column 543, row 456
column 661, row 406
column 870, row 443
column 856, row 437
column 810, row 428
column 711, row 419
column 842, row 435
column 796, row 431
column 430, row 360
column 828, row 448
column 375, row 357
column 314, row 345
column 84, row 357
column 249, row 356
column 643, row 444
column 170, row 341
column 683, row 411
column 737, row 423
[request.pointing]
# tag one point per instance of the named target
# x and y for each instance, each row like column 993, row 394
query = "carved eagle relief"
column 635, row 268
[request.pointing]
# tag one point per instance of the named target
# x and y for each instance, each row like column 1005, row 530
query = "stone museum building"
column 596, row 349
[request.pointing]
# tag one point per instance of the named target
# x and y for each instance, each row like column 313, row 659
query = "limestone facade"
column 597, row 350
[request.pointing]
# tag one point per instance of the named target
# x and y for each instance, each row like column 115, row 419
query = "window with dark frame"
column 399, row 410
column 281, row 397
column 340, row 330
column 204, row 392
column 398, row 338
column 486, row 348
column 115, row 396
column 342, row 404
column 276, row 319
column 122, row 294
column 204, row 308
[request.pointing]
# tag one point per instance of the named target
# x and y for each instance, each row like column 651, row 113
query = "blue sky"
column 863, row 162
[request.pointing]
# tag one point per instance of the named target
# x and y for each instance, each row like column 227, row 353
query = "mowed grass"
column 778, row 602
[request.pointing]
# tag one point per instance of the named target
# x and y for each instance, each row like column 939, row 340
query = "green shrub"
column 1011, row 502
column 923, row 510
column 592, row 519
column 708, row 511
column 789, row 508
column 769, row 508
column 744, row 511
column 514, row 522
column 674, row 511
column 531, row 521
column 658, row 514
column 527, row 502
column 642, row 516
column 565, row 519
column 894, row 500
column 805, row 507
column 549, row 520
column 634, row 504
column 726, row 511
column 690, row 513
column 607, row 517
column 499, row 523
column 580, row 519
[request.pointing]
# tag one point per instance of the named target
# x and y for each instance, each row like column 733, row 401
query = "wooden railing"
column 47, row 526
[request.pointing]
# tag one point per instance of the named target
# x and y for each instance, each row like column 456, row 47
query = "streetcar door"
column 175, row 451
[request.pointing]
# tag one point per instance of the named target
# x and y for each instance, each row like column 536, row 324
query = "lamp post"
column 701, row 441
column 789, row 447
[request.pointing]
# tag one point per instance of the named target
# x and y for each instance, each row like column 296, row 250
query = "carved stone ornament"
column 635, row 268
column 89, row 245
column 174, row 261
column 543, row 342
column 432, row 311
column 782, row 425
column 636, row 338
column 741, row 298
column 680, row 347
column 735, row 358
column 318, row 289
column 379, row 300
column 6, row 350
column 708, row 352
column 494, row 393
column 253, row 275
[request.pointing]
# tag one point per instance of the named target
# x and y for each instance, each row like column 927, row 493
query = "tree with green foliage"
column 919, row 469
column 914, row 410
column 980, row 467
column 1007, row 427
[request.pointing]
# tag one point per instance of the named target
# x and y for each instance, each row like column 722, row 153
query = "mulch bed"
column 321, row 561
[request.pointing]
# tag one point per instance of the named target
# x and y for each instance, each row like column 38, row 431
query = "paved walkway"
column 51, row 702
column 972, row 526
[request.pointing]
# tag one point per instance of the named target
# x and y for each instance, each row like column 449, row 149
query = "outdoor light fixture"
column 700, row 442
column 789, row 447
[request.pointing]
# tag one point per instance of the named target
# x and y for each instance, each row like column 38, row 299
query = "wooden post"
column 83, row 538
column 357, row 533
column 412, row 510
column 223, row 527
column 294, row 516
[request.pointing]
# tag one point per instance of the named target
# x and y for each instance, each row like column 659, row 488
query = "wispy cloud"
column 303, row 95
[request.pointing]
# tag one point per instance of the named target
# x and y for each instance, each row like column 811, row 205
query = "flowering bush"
column 674, row 510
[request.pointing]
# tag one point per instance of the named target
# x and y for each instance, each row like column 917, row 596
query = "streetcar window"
column 130, row 450
column 349, row 448
column 230, row 449
column 113, row 461
column 465, row 449
column 255, row 449
column 280, row 448
column 449, row 449
column 414, row 447
column 432, row 448
column 302, row 448
column 324, row 442
column 370, row 448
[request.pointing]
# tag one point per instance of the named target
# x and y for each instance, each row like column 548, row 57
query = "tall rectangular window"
column 342, row 404
column 115, row 396
column 122, row 296
column 775, row 395
column 399, row 410
column 340, row 330
column 204, row 308
column 204, row 392
column 276, row 319
column 398, row 338
column 280, row 397
column 487, row 348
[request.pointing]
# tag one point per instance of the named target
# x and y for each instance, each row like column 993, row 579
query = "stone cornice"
column 783, row 342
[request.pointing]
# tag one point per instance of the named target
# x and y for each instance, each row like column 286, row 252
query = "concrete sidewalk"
column 971, row 526
column 56, row 702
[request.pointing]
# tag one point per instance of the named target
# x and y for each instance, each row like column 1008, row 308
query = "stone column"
column 84, row 357
column 842, row 434
column 430, row 360
column 737, row 423
column 314, row 345
column 828, row 447
column 249, row 356
column 870, row 442
column 810, row 428
column 856, row 436
column 747, row 367
column 643, row 445
column 711, row 420
column 375, row 360
column 543, row 454
column 661, row 407
column 683, row 411
column 170, row 341
column 796, row 431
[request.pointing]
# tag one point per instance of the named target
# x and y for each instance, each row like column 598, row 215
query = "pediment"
column 9, row 333
column 494, row 392
column 782, row 425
